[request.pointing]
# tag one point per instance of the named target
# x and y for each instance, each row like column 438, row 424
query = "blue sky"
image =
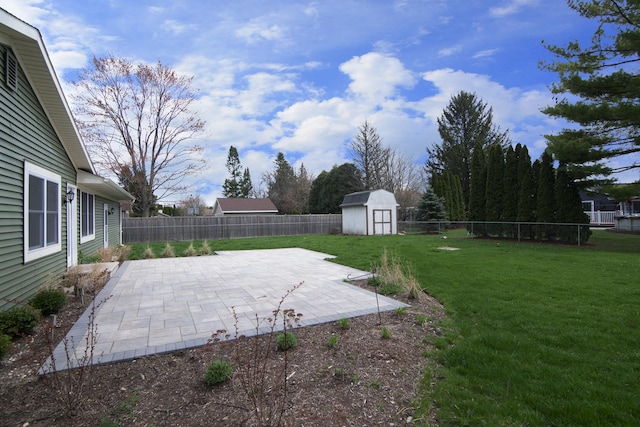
column 301, row 76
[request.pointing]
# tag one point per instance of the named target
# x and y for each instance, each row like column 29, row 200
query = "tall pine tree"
column 478, row 190
column 231, row 186
column 510, row 192
column 546, row 203
column 495, row 188
column 466, row 123
column 569, row 208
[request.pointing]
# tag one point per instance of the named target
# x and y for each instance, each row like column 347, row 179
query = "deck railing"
column 601, row 217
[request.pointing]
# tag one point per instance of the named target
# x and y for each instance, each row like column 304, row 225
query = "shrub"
column 217, row 372
column 385, row 333
column 168, row 251
column 205, row 249
column 190, row 251
column 19, row 320
column 5, row 345
column 401, row 311
column 286, row 341
column 343, row 323
column 49, row 301
column 148, row 253
column 333, row 341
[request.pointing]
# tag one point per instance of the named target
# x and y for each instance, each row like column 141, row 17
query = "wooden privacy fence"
column 185, row 228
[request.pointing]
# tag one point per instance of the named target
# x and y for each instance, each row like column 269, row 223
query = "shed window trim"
column 42, row 212
column 87, row 217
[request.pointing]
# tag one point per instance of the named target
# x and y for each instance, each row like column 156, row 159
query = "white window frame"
column 92, row 235
column 48, row 248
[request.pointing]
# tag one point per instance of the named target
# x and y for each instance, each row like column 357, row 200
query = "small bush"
column 385, row 333
column 205, row 249
column 286, row 341
column 49, row 301
column 401, row 311
column 217, row 372
column 19, row 320
column 333, row 341
column 190, row 251
column 5, row 345
column 148, row 253
column 421, row 319
column 343, row 324
column 168, row 251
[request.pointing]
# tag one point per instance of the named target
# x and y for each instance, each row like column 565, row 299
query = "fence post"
column 579, row 234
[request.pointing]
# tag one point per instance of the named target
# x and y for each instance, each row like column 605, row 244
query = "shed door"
column 382, row 221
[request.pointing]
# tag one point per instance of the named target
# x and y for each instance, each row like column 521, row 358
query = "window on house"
column 42, row 212
column 87, row 217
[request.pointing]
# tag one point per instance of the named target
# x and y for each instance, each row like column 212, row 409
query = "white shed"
column 370, row 212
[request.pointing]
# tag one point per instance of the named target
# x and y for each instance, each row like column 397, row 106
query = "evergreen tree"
column 466, row 123
column 546, row 203
column 329, row 188
column 569, row 208
column 510, row 194
column 302, row 189
column 281, row 185
column 371, row 157
column 431, row 207
column 495, row 188
column 232, row 185
column 477, row 197
column 246, row 187
column 599, row 89
column 527, row 193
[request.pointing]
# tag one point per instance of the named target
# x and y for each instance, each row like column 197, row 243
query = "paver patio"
column 162, row 305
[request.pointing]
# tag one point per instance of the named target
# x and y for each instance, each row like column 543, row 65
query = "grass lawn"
column 538, row 335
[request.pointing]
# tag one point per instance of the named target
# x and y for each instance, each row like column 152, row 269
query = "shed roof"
column 246, row 205
column 356, row 199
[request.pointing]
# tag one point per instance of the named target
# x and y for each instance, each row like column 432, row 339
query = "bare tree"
column 406, row 179
column 136, row 118
column 192, row 205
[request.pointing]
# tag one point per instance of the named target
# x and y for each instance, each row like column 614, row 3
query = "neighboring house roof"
column 245, row 205
column 30, row 52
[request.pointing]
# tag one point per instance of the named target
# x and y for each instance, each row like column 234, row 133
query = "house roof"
column 29, row 49
column 246, row 205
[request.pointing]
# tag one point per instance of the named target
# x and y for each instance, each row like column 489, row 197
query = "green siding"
column 26, row 134
column 92, row 246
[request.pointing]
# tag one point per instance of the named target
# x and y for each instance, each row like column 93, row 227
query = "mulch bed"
column 364, row 379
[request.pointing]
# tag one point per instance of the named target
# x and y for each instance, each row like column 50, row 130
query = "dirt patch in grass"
column 356, row 378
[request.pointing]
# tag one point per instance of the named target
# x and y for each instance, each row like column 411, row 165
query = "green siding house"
column 53, row 205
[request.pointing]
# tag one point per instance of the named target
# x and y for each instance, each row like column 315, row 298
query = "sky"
column 300, row 77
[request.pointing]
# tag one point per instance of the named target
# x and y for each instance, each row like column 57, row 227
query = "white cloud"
column 27, row 10
column 376, row 76
column 177, row 28
column 452, row 50
column 258, row 30
column 485, row 53
column 510, row 8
